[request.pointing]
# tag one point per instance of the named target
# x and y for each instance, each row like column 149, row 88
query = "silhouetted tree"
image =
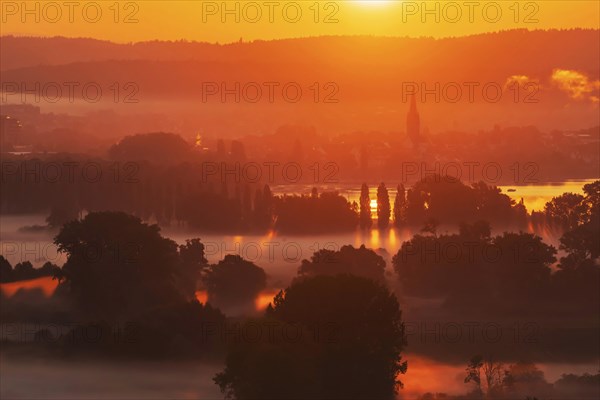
column 193, row 262
column 171, row 331
column 359, row 357
column 383, row 207
column 490, row 205
column 579, row 271
column 365, row 208
column 5, row 270
column 492, row 376
column 451, row 202
column 585, row 386
column 415, row 207
column 479, row 230
column 581, row 240
column 472, row 269
column 157, row 147
column 258, row 209
column 234, row 282
column 263, row 208
column 524, row 378
column 348, row 260
column 520, row 214
column 399, row 206
column 493, row 373
column 326, row 213
column 566, row 211
column 48, row 269
column 474, row 372
column 117, row 265
column 268, row 201
column 168, row 204
column 181, row 330
column 247, row 207
column 24, row 270
column 430, row 226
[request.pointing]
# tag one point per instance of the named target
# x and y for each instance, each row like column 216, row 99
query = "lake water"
column 534, row 196
column 279, row 254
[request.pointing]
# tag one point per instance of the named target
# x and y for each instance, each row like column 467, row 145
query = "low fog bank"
column 44, row 379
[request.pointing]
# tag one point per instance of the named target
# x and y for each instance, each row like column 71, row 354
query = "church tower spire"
column 413, row 122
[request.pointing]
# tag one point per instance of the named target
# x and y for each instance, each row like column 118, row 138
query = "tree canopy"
column 354, row 354
column 117, row 265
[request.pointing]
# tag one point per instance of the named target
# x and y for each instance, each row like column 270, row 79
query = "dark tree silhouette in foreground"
column 565, row 211
column 175, row 331
column 117, row 265
column 348, row 260
column 476, row 272
column 193, row 263
column 579, row 271
column 581, row 241
column 234, row 282
column 356, row 353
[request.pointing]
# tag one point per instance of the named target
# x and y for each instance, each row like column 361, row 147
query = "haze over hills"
column 346, row 83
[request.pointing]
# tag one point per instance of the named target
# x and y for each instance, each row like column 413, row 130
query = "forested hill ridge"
column 538, row 48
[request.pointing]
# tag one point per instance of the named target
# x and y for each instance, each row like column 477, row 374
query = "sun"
column 373, row 204
column 374, row 3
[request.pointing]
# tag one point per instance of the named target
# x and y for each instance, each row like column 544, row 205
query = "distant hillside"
column 368, row 73
column 364, row 67
column 493, row 50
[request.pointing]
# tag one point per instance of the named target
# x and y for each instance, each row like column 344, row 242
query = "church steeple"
column 413, row 122
column 413, row 104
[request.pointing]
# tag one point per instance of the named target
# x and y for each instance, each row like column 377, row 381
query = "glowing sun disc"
column 374, row 2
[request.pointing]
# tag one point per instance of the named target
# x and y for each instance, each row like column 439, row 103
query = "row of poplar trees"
column 384, row 211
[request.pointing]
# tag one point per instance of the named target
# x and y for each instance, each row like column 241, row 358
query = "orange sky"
column 128, row 21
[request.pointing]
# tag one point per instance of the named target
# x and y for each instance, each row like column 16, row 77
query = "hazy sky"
column 227, row 21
